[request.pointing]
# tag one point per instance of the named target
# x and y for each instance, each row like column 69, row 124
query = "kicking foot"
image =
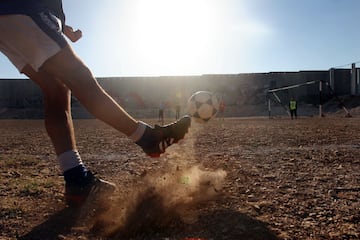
column 156, row 140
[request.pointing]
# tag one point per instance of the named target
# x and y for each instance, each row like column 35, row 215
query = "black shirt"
column 29, row 7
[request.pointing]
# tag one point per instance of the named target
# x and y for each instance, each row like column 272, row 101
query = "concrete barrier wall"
column 147, row 92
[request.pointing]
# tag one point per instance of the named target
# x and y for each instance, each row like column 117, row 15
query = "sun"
column 173, row 37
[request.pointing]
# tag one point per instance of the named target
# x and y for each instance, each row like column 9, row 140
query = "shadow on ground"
column 219, row 225
column 60, row 223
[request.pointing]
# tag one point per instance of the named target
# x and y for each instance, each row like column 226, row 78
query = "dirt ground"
column 231, row 179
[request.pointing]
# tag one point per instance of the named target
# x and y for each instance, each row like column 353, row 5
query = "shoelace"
column 165, row 143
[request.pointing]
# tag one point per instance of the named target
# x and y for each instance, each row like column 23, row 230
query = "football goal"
column 274, row 95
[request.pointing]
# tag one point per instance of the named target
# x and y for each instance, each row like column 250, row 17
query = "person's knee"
column 68, row 67
column 57, row 93
column 47, row 82
column 57, row 98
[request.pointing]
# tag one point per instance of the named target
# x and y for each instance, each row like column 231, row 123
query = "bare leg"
column 58, row 121
column 59, row 125
column 68, row 68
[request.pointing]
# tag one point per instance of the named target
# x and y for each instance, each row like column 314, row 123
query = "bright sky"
column 193, row 37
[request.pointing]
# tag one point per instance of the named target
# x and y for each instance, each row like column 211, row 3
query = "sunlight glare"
column 174, row 36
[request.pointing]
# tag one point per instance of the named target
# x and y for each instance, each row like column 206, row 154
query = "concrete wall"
column 19, row 93
column 146, row 93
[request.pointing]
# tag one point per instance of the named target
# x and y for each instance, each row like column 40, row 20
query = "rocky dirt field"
column 253, row 178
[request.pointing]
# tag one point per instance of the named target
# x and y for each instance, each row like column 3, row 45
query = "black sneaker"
column 97, row 189
column 156, row 140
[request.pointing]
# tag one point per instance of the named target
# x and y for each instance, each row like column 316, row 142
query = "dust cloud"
column 160, row 200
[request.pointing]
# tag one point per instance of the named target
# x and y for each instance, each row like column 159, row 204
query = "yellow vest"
column 292, row 105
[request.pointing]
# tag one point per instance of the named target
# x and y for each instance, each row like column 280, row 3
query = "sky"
column 195, row 37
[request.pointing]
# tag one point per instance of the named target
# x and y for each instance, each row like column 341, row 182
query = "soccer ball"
column 202, row 106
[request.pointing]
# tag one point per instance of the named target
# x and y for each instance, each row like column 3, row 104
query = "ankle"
column 139, row 132
column 69, row 160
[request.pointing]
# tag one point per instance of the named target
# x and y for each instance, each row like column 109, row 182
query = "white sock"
column 139, row 132
column 69, row 160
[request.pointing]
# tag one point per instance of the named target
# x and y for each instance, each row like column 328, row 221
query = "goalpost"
column 321, row 82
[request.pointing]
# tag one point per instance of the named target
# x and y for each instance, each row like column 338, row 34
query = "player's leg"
column 59, row 126
column 162, row 117
column 66, row 66
column 57, row 113
column 78, row 181
column 50, row 52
